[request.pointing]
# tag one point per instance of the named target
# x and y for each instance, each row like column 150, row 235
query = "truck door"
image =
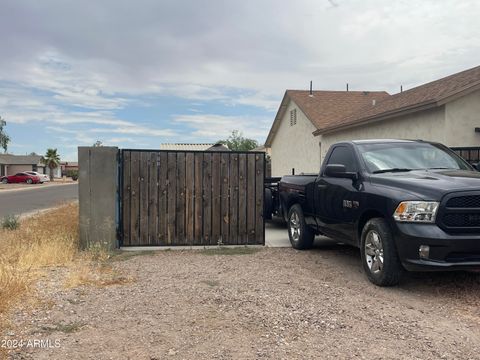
column 337, row 200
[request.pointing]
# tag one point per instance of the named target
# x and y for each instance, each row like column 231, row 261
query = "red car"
column 21, row 178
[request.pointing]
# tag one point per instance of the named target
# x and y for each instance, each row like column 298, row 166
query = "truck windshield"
column 406, row 156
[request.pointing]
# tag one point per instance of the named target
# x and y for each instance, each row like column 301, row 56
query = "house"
column 66, row 166
column 307, row 123
column 11, row 164
column 194, row 147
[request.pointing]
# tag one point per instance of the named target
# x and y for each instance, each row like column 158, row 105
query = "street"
column 37, row 198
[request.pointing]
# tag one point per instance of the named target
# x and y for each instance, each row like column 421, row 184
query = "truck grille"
column 460, row 212
column 472, row 201
column 461, row 220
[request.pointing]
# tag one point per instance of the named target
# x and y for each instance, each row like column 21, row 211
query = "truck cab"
column 408, row 205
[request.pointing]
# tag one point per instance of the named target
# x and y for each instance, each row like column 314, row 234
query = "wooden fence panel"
column 192, row 198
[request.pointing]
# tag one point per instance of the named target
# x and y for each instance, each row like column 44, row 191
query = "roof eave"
column 278, row 118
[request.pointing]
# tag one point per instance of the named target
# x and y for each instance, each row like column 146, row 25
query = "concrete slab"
column 276, row 234
column 181, row 247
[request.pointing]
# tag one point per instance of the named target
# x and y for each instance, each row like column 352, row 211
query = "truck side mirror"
column 339, row 171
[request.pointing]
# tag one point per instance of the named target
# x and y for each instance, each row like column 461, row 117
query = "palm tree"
column 52, row 160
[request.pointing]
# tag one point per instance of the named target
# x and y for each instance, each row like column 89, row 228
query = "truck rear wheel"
column 379, row 254
column 300, row 234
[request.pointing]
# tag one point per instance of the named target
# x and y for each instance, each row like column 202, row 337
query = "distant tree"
column 237, row 142
column 33, row 154
column 4, row 138
column 52, row 160
column 98, row 143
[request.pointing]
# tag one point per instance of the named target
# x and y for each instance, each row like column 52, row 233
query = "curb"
column 35, row 187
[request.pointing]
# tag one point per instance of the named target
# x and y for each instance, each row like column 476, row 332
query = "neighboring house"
column 67, row 166
column 11, row 164
column 291, row 140
column 194, row 147
column 445, row 110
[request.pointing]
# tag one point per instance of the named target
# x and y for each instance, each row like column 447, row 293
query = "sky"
column 135, row 74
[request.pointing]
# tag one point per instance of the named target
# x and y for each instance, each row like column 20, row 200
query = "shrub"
column 10, row 222
column 73, row 174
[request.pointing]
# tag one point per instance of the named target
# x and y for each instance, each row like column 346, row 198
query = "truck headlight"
column 416, row 211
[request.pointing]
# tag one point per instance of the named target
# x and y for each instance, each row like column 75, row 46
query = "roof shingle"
column 329, row 107
column 432, row 94
column 10, row 159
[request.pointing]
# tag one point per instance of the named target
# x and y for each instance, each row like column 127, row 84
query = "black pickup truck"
column 411, row 205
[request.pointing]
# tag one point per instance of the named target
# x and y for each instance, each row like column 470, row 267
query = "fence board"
column 162, row 200
column 197, row 240
column 152, row 198
column 242, row 199
column 259, row 191
column 216, row 198
column 180, row 206
column 251, row 198
column 192, row 198
column 233, row 213
column 207, row 198
column 224, row 175
column 135, row 208
column 172, row 196
column 126, row 183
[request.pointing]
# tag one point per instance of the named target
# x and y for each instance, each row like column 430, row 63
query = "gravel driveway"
column 274, row 303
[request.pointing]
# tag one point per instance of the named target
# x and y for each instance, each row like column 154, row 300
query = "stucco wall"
column 462, row 116
column 295, row 146
column 14, row 169
column 425, row 125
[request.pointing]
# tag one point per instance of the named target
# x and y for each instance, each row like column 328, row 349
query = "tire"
column 300, row 234
column 268, row 204
column 29, row 181
column 377, row 240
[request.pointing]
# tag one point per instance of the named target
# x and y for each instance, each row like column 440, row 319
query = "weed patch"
column 10, row 222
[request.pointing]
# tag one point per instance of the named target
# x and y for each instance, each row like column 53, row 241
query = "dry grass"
column 48, row 239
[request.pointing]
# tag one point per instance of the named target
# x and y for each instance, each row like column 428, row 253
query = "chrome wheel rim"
column 295, row 230
column 374, row 252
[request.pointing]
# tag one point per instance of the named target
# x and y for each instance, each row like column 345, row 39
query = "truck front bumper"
column 446, row 252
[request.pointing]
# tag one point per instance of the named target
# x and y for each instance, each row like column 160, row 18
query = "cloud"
column 127, row 72
column 214, row 127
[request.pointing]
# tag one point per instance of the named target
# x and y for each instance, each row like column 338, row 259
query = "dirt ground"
column 270, row 304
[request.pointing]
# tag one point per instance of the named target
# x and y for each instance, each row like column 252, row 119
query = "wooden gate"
column 192, row 198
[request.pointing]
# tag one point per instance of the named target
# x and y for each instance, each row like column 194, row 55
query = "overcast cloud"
column 136, row 74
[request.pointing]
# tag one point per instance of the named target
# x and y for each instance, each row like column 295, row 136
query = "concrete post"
column 98, row 183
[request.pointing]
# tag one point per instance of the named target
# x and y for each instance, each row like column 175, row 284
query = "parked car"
column 22, row 177
column 43, row 177
column 410, row 205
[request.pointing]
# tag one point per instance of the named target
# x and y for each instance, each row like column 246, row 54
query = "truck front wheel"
column 300, row 234
column 379, row 254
